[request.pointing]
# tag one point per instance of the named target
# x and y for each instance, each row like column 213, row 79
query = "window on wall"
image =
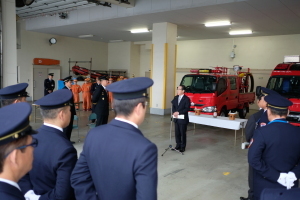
column 221, row 86
column 232, row 83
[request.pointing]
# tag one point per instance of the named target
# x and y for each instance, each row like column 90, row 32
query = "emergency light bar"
column 217, row 70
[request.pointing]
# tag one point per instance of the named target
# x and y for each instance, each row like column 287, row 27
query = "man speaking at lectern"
column 180, row 106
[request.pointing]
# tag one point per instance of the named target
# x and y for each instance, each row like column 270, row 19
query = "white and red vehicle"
column 214, row 89
column 285, row 79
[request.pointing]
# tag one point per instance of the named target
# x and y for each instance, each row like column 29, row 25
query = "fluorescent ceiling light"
column 143, row 30
column 85, row 36
column 116, row 40
column 220, row 23
column 240, row 32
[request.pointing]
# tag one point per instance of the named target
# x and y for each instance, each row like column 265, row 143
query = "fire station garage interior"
column 212, row 47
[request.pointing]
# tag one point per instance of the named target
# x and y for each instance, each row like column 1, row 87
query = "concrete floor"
column 213, row 167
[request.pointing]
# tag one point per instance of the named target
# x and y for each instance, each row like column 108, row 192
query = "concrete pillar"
column 163, row 69
column 9, row 42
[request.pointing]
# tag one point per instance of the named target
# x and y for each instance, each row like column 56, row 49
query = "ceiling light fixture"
column 220, row 23
column 240, row 32
column 142, row 30
column 116, row 40
column 86, row 36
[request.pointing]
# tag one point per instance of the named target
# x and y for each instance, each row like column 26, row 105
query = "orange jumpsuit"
column 76, row 89
column 110, row 99
column 86, row 94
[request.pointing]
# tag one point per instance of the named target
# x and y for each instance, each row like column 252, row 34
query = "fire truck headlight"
column 209, row 109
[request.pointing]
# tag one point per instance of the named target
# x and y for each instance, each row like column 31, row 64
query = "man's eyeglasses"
column 34, row 144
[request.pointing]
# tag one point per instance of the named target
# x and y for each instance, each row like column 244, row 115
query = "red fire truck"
column 285, row 79
column 214, row 89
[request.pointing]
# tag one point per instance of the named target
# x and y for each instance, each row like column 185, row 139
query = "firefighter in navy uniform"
column 55, row 157
column 49, row 84
column 100, row 102
column 257, row 120
column 13, row 94
column 117, row 161
column 274, row 150
column 280, row 194
column 16, row 148
column 68, row 129
column 93, row 89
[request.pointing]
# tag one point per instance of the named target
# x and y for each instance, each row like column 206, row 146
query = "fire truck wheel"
column 242, row 113
column 224, row 113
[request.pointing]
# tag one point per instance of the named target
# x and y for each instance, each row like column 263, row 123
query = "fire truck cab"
column 285, row 79
column 214, row 89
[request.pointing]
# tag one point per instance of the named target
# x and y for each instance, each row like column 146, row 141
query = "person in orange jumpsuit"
column 86, row 94
column 110, row 95
column 120, row 78
column 76, row 89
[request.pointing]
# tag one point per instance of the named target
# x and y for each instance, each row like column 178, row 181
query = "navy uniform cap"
column 266, row 91
column 57, row 99
column 131, row 88
column 51, row 74
column 17, row 113
column 103, row 78
column 14, row 91
column 67, row 79
column 278, row 102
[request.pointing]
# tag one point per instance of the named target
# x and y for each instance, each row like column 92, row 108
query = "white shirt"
column 104, row 87
column 10, row 183
column 179, row 98
column 126, row 121
column 53, row 126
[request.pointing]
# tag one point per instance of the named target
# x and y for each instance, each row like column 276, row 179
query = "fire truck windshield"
column 199, row 83
column 288, row 86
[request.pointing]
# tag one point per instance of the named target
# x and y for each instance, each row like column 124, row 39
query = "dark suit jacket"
column 93, row 88
column 9, row 192
column 73, row 110
column 251, row 124
column 54, row 160
column 117, row 162
column 275, row 148
column 100, row 100
column 183, row 108
column 280, row 194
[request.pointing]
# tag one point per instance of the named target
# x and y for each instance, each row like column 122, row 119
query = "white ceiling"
column 264, row 17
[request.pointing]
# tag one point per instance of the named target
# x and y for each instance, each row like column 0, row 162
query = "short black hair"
column 6, row 148
column 51, row 113
column 182, row 87
column 281, row 113
column 125, row 107
column 259, row 97
column 6, row 102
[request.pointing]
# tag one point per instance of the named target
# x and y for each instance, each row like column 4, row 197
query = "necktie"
column 179, row 99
